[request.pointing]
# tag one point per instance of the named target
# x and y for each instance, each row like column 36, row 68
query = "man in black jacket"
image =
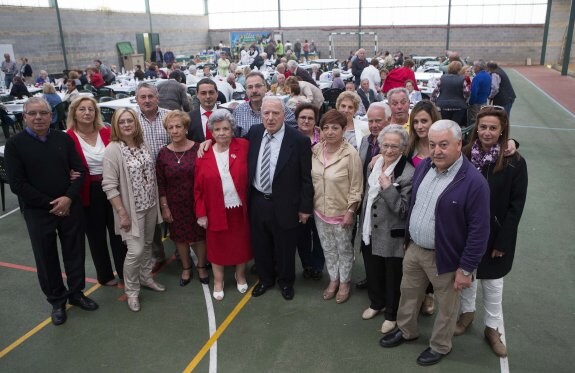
column 38, row 162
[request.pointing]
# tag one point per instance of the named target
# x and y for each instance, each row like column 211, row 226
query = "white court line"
column 9, row 213
column 546, row 94
column 543, row 128
column 213, row 367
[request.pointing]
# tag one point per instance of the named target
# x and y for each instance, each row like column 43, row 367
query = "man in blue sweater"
column 446, row 236
column 480, row 89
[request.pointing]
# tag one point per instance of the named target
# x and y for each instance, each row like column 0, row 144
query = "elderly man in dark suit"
column 281, row 196
column 296, row 71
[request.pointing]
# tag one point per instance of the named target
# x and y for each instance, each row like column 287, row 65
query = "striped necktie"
column 265, row 180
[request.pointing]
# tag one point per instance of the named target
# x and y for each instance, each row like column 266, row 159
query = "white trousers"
column 138, row 262
column 492, row 292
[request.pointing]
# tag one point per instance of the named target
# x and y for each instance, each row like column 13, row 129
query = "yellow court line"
column 213, row 339
column 38, row 327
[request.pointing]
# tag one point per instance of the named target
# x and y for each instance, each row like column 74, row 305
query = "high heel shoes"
column 219, row 295
column 242, row 288
column 343, row 293
column 184, row 281
column 203, row 280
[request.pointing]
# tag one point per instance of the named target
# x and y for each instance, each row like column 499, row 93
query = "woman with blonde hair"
column 130, row 184
column 49, row 93
column 91, row 138
column 347, row 103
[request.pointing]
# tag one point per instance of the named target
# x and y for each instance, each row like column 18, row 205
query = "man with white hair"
column 192, row 78
column 295, row 70
column 281, row 195
column 448, row 222
column 398, row 100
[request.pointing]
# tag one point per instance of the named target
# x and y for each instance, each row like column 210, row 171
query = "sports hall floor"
column 183, row 329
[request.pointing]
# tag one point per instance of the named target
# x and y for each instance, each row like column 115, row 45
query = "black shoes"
column 260, row 289
column 185, row 281
column 84, row 303
column 429, row 357
column 287, row 292
column 309, row 273
column 361, row 284
column 203, row 280
column 58, row 315
column 394, row 339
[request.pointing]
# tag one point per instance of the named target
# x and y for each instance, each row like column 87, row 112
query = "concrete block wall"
column 34, row 34
column 507, row 44
column 559, row 21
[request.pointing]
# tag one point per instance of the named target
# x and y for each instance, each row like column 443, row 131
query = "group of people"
column 263, row 181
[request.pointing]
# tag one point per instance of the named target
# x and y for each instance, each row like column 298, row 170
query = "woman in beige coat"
column 129, row 181
column 337, row 182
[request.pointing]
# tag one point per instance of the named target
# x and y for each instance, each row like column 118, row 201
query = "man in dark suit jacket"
column 296, row 71
column 281, row 196
column 366, row 94
column 207, row 94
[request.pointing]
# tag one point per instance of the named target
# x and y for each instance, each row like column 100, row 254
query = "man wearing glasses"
column 249, row 113
column 38, row 162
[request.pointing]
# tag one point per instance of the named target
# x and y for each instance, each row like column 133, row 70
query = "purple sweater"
column 461, row 218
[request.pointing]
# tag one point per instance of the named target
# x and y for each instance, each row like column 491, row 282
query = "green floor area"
column 309, row 334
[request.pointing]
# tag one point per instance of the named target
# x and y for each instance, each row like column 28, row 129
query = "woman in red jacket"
column 91, row 138
column 220, row 192
column 95, row 78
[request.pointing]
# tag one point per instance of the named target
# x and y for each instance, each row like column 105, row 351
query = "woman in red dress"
column 175, row 173
column 220, row 192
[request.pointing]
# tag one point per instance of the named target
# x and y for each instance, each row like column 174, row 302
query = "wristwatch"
column 465, row 273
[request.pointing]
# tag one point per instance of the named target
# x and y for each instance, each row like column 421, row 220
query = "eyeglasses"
column 493, row 107
column 35, row 113
column 389, row 146
column 86, row 109
column 125, row 121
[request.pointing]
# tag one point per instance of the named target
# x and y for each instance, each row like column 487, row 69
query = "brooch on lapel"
column 233, row 156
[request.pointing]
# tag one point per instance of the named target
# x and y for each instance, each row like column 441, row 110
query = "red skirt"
column 232, row 246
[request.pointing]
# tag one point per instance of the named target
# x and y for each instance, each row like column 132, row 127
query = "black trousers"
column 383, row 281
column 43, row 229
column 99, row 217
column 309, row 246
column 274, row 247
column 459, row 116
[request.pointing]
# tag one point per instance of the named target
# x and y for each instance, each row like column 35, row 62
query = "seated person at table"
column 151, row 73
column 139, row 74
column 94, row 78
column 19, row 89
column 49, row 93
column 42, row 78
column 71, row 91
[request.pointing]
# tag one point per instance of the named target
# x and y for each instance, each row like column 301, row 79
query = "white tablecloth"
column 17, row 106
column 129, row 102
